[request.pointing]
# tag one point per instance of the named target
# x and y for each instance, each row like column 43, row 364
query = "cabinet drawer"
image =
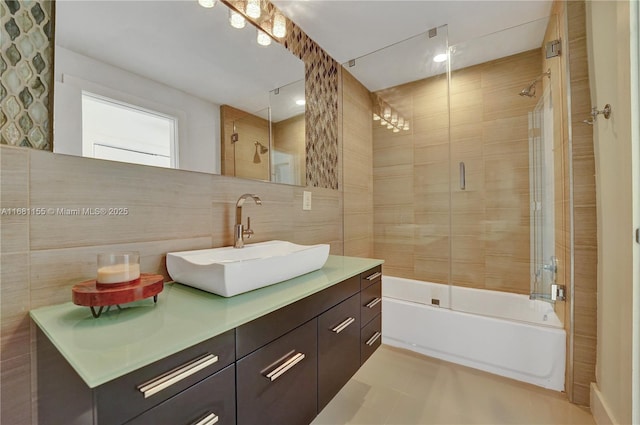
column 338, row 348
column 275, row 385
column 265, row 329
column 128, row 396
column 370, row 277
column 203, row 403
column 371, row 338
column 371, row 302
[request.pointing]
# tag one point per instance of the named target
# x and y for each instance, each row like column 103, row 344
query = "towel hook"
column 606, row 111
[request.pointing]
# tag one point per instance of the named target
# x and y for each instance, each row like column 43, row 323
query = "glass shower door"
column 544, row 263
column 503, row 234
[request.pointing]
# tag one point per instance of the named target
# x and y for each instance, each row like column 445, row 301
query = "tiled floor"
column 399, row 387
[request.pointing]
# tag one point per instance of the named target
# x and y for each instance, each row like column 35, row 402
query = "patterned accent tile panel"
column 26, row 65
column 321, row 86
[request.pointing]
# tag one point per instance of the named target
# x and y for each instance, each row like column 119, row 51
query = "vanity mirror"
column 147, row 81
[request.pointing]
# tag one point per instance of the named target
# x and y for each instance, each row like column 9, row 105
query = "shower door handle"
column 463, row 182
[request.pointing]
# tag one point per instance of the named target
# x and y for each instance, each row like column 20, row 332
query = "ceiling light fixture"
column 300, row 102
column 388, row 116
column 279, row 25
column 441, row 57
column 263, row 38
column 207, row 3
column 253, row 9
column 236, row 20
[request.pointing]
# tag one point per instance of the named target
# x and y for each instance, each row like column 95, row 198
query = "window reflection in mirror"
column 139, row 53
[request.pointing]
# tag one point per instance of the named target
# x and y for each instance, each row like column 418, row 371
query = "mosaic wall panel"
column 321, row 86
column 26, row 59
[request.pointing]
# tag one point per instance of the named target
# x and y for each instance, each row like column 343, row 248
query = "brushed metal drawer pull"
column 342, row 326
column 374, row 276
column 210, row 419
column 373, row 302
column 374, row 338
column 288, row 364
column 173, row 376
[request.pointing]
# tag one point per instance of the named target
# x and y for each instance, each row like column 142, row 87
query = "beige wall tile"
column 15, row 305
column 15, row 399
column 14, row 187
column 162, row 204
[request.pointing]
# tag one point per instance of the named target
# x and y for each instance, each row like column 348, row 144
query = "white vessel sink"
column 231, row 271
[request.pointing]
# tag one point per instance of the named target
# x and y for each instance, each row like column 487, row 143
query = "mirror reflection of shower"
column 530, row 90
column 260, row 150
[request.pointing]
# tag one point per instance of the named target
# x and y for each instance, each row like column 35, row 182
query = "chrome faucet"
column 239, row 232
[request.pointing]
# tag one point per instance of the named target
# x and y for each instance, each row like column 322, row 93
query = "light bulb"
column 300, row 102
column 440, row 57
column 406, row 125
column 253, row 9
column 400, row 122
column 236, row 19
column 263, row 38
column 394, row 118
column 383, row 122
column 207, row 3
column 396, row 130
column 387, row 113
column 389, row 126
column 376, row 117
column 279, row 25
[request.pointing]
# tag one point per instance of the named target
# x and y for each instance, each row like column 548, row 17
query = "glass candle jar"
column 118, row 267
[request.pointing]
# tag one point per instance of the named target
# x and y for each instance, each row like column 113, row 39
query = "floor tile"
column 398, row 387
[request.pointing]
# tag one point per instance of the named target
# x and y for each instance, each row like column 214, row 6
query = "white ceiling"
column 182, row 45
column 352, row 29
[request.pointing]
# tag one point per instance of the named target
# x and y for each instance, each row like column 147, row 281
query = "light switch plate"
column 306, row 200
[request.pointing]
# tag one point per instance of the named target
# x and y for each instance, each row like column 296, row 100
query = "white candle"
column 118, row 273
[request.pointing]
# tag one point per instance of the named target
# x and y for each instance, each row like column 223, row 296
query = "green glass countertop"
column 121, row 341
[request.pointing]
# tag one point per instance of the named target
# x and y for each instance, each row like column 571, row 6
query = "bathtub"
column 498, row 332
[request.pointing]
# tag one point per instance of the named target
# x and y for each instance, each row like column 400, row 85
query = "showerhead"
column 529, row 91
column 263, row 148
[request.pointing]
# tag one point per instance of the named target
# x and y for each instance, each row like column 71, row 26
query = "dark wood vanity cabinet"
column 277, row 383
column 338, row 348
column 280, row 369
column 166, row 385
column 371, row 312
column 213, row 400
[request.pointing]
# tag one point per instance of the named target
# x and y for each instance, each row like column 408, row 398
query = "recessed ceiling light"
column 440, row 57
column 300, row 102
column 207, row 3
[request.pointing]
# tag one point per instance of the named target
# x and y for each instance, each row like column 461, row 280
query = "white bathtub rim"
column 487, row 316
column 449, row 296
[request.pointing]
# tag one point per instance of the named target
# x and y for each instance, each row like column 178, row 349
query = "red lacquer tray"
column 92, row 294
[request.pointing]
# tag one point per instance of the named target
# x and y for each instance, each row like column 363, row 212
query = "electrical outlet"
column 306, row 200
